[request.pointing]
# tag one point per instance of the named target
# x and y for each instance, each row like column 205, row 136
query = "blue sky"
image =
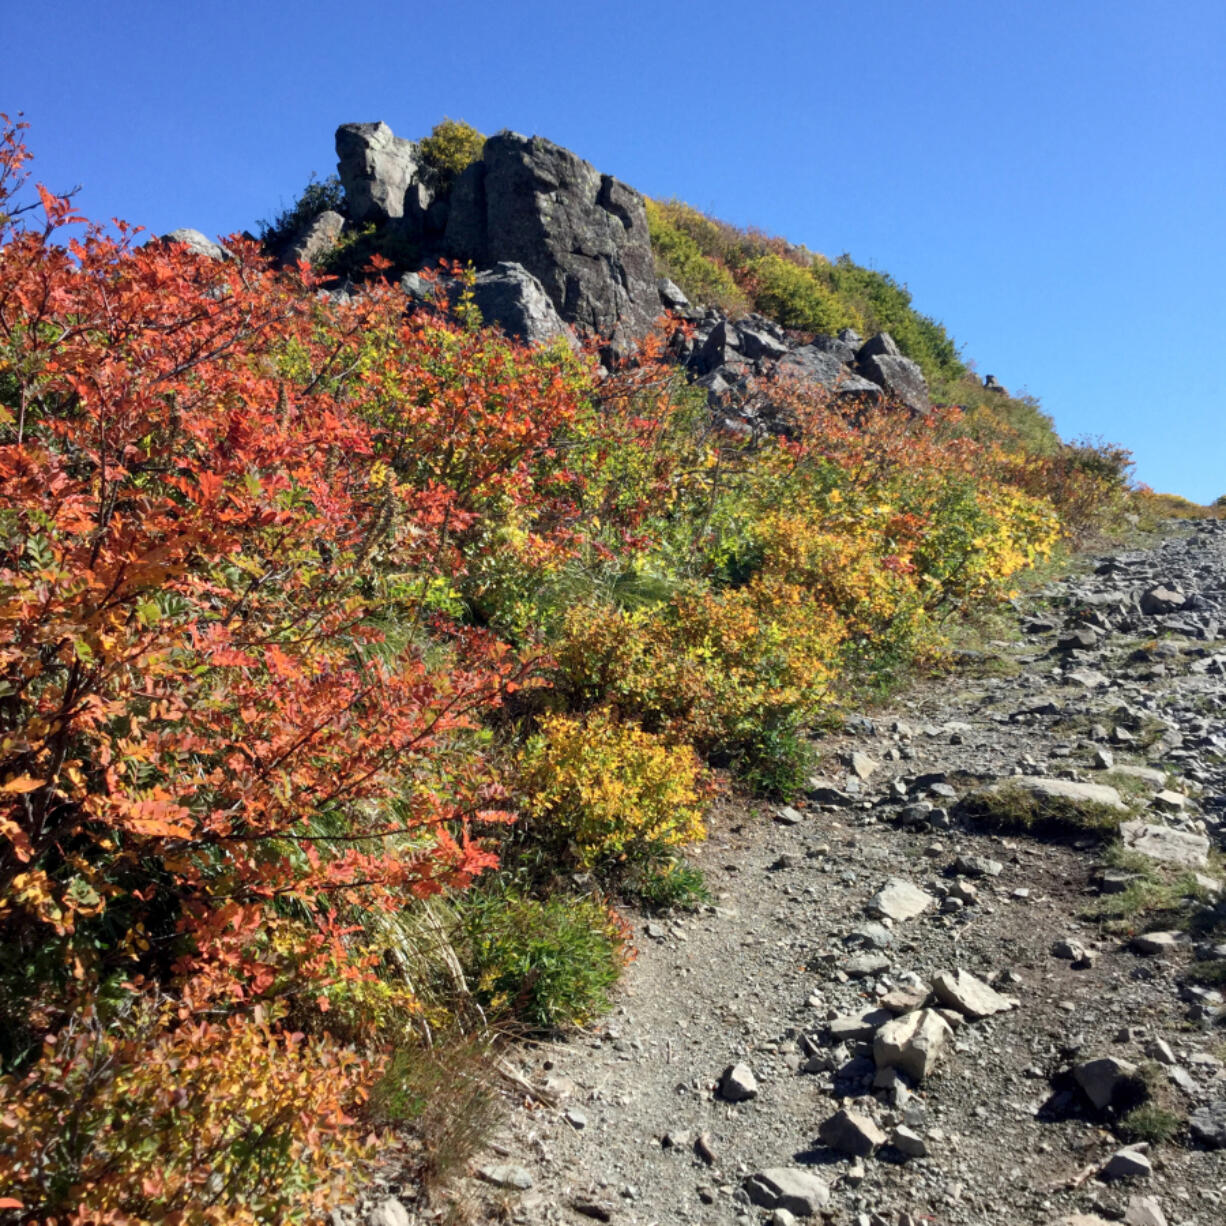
column 1047, row 177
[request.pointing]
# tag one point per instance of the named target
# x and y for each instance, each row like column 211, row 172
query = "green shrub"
column 797, row 298
column 317, row 197
column 545, row 964
column 671, row 885
column 680, row 257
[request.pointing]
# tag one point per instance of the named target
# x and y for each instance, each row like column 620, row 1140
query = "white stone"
column 913, row 1043
column 899, row 900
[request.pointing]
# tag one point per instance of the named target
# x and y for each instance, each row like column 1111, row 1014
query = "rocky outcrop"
column 511, row 297
column 376, row 168
column 562, row 249
column 581, row 233
column 319, row 236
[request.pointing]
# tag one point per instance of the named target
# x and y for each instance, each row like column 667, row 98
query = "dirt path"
column 787, row 974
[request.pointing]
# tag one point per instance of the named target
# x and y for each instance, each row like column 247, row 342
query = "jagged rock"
column 197, row 243
column 811, row 366
column 863, row 766
column 899, row 900
column 992, row 384
column 511, row 297
column 850, row 1027
column 880, row 345
column 913, row 1043
column 1163, row 843
column 900, row 378
column 582, row 234
column 1162, row 599
column 1127, row 1164
column 969, row 996
column 908, row 1141
column 319, row 236
column 738, row 1084
column 671, row 295
column 1105, row 1079
column 844, row 351
column 851, row 1133
column 790, row 1188
column 376, row 168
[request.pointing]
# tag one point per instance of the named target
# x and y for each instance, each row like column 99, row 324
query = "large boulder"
column 881, row 362
column 900, row 378
column 376, row 168
column 582, row 234
column 511, row 297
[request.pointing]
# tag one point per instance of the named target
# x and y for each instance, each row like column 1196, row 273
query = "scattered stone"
column 1158, row 942
column 1170, row 802
column 598, row 1210
column 1127, row 1164
column 899, row 900
column 1160, row 600
column 851, row 1133
column 913, row 1043
column 388, row 1212
column 787, row 816
column 848, row 1028
column 909, row 1142
column 1105, row 1078
column 791, row 1188
column 738, row 1084
column 971, row 997
column 978, row 866
column 506, row 1175
column 863, row 965
column 863, row 766
column 1144, row 1211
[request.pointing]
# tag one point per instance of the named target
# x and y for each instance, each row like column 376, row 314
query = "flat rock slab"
column 971, row 997
column 506, row 1175
column 899, row 900
column 1163, row 843
column 1064, row 789
column 788, row 1187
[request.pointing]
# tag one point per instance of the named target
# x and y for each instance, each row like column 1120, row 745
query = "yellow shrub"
column 611, row 790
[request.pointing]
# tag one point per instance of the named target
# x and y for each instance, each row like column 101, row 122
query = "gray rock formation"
column 881, row 362
column 511, row 297
column 582, row 234
column 376, row 168
column 315, row 239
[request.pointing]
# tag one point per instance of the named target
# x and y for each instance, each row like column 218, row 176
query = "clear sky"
column 1046, row 176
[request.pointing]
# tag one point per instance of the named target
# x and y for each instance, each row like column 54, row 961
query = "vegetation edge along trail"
column 354, row 664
